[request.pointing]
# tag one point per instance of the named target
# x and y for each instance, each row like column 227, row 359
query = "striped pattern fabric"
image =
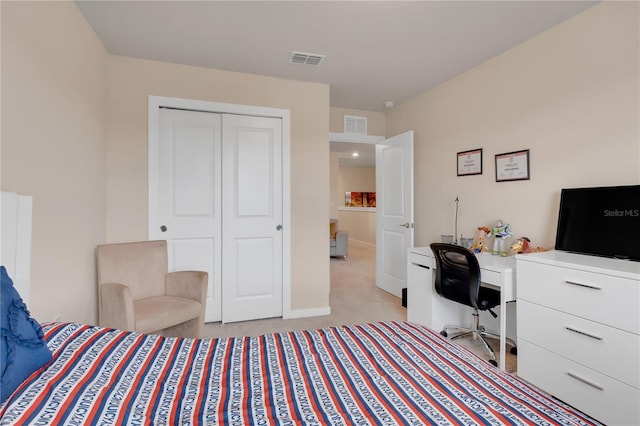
column 386, row 373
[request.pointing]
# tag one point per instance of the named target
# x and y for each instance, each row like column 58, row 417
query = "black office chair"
column 458, row 279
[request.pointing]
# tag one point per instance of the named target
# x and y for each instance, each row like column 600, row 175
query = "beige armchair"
column 136, row 293
column 338, row 240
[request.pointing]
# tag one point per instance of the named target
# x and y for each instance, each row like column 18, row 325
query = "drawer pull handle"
column 584, row 285
column 420, row 266
column 583, row 380
column 583, row 333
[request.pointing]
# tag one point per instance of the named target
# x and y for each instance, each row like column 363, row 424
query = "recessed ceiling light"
column 355, row 154
column 389, row 104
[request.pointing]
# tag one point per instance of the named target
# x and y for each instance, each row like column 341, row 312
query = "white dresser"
column 579, row 331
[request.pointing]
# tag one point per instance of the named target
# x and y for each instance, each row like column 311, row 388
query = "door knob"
column 279, row 228
column 406, row 225
column 163, row 228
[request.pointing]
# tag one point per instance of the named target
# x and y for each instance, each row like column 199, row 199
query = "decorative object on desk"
column 470, row 162
column 523, row 245
column 512, row 166
column 480, row 244
column 447, row 239
column 466, row 242
column 501, row 233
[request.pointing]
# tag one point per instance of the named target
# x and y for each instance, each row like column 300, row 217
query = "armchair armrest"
column 116, row 307
column 341, row 237
column 188, row 284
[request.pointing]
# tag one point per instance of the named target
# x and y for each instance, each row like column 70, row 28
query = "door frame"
column 377, row 140
column 154, row 105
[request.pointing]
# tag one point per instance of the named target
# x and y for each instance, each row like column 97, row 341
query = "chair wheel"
column 493, row 362
column 444, row 333
column 513, row 350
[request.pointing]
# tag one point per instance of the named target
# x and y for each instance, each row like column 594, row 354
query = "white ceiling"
column 366, row 154
column 375, row 50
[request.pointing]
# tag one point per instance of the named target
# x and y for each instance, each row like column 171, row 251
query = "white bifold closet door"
column 219, row 198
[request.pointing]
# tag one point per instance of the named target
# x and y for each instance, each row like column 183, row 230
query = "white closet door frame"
column 155, row 102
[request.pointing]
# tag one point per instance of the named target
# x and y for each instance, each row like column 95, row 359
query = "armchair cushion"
column 161, row 312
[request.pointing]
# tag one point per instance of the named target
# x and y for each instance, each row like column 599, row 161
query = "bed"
column 381, row 373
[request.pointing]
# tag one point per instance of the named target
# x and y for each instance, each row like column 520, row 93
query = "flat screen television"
column 602, row 221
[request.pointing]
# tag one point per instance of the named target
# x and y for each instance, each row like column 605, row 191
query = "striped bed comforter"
column 384, row 373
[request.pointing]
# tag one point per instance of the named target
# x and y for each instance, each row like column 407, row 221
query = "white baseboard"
column 304, row 313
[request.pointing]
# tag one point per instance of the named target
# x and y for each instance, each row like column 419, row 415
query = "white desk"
column 426, row 307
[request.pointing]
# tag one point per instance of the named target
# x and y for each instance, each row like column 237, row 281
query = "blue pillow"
column 22, row 348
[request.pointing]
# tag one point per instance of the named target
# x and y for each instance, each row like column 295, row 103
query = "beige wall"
column 358, row 179
column 131, row 81
column 54, row 83
column 361, row 225
column 570, row 95
column 375, row 120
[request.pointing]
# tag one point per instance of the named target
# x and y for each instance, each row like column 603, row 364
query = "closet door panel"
column 252, row 218
column 185, row 191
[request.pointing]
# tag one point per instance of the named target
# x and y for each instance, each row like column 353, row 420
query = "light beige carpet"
column 354, row 299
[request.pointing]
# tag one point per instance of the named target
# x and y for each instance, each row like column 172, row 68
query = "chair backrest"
column 141, row 265
column 457, row 273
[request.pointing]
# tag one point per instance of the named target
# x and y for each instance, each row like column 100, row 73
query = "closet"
column 216, row 196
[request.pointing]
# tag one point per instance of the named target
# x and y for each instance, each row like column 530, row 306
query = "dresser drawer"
column 421, row 259
column 597, row 395
column 603, row 348
column 603, row 298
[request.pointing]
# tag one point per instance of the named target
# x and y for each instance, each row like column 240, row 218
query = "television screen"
column 602, row 221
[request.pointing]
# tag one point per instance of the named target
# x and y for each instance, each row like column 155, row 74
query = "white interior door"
column 394, row 211
column 185, row 195
column 252, row 218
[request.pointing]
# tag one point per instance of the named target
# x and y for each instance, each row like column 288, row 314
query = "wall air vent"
column 354, row 124
column 306, row 58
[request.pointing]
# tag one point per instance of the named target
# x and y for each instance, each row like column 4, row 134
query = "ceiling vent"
column 354, row 124
column 306, row 58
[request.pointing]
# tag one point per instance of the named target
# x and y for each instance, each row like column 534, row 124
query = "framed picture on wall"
column 470, row 162
column 512, row 166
